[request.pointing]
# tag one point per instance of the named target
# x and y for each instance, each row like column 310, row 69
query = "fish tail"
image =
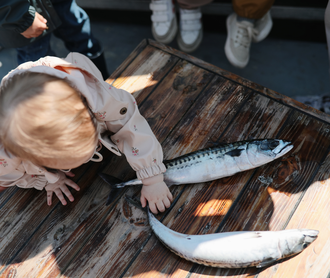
column 116, row 187
column 110, row 180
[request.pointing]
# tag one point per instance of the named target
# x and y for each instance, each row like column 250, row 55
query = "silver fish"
column 212, row 163
column 234, row 249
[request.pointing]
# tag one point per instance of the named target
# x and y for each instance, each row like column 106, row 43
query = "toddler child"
column 55, row 114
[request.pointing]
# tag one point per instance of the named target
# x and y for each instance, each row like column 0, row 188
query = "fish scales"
column 218, row 162
column 234, row 249
column 213, row 163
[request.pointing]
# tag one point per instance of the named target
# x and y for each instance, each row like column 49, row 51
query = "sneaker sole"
column 230, row 56
column 188, row 48
column 169, row 37
column 265, row 32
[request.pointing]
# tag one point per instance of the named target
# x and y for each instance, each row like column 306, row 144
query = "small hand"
column 37, row 27
column 61, row 186
column 158, row 196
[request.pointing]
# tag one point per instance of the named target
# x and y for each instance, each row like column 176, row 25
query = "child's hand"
column 61, row 186
column 157, row 194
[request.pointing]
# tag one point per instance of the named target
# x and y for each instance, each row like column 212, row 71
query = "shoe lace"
column 245, row 33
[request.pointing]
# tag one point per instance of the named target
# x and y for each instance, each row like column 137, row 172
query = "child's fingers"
column 60, row 196
column 67, row 192
column 143, row 201
column 49, row 197
column 72, row 184
column 167, row 202
column 152, row 207
column 160, row 206
column 169, row 196
column 69, row 174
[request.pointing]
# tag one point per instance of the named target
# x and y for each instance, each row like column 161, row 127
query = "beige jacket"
column 116, row 111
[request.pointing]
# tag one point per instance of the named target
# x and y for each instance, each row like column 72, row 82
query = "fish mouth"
column 287, row 146
column 310, row 235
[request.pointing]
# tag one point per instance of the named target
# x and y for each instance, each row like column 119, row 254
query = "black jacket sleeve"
column 16, row 15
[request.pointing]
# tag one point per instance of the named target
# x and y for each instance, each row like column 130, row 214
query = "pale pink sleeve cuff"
column 40, row 182
column 151, row 171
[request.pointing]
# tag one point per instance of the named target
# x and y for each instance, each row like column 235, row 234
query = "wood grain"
column 235, row 78
column 145, row 72
column 21, row 215
column 312, row 213
column 271, row 197
column 202, row 207
column 189, row 105
column 127, row 61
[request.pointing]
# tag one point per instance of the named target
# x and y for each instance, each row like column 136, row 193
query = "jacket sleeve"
column 25, row 181
column 135, row 139
column 24, row 174
column 118, row 110
column 16, row 15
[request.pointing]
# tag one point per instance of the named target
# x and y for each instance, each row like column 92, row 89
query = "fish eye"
column 269, row 145
column 305, row 245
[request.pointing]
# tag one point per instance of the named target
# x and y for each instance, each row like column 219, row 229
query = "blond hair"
column 39, row 124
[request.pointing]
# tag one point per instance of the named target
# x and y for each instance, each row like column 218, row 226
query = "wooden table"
column 189, row 104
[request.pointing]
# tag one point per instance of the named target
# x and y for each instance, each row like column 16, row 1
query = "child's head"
column 45, row 120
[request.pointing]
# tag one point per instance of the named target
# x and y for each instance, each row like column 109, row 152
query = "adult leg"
column 76, row 33
column 250, row 22
column 34, row 51
column 191, row 28
column 192, row 4
column 254, row 9
column 327, row 26
column 164, row 25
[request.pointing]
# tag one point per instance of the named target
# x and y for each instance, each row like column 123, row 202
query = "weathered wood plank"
column 208, row 117
column 6, row 195
column 271, row 197
column 176, row 93
column 187, row 105
column 312, row 213
column 21, row 215
column 145, row 71
column 127, row 61
column 33, row 244
column 268, row 92
column 202, row 207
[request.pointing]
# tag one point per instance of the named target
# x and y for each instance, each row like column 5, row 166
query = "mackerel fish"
column 212, row 163
column 234, row 249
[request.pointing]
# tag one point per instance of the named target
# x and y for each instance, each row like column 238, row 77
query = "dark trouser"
column 327, row 26
column 75, row 31
column 254, row 9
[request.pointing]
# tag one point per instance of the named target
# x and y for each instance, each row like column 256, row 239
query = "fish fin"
column 235, row 152
column 266, row 262
column 113, row 195
column 112, row 181
column 135, row 203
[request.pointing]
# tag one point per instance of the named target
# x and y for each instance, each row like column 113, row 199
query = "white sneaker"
column 239, row 38
column 164, row 25
column 191, row 30
column 263, row 27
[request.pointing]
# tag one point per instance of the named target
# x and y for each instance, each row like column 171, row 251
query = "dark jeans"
column 75, row 31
